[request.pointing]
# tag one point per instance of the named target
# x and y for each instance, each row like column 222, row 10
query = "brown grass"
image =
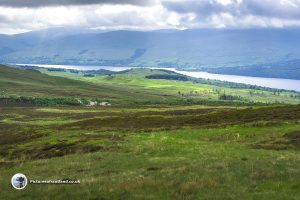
column 194, row 186
column 287, row 141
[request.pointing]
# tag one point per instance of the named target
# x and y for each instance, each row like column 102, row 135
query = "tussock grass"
column 153, row 152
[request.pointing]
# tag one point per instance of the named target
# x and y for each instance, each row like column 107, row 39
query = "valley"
column 149, row 100
column 256, row 52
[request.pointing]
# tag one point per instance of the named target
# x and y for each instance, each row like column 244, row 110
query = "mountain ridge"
column 206, row 49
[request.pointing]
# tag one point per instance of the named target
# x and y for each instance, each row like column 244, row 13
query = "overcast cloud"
column 45, row 3
column 26, row 15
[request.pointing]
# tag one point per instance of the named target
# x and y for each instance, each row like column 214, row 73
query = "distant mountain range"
column 254, row 52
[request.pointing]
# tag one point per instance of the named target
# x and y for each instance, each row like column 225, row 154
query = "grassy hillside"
column 189, row 90
column 29, row 83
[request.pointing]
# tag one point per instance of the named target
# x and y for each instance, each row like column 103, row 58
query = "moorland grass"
column 255, row 159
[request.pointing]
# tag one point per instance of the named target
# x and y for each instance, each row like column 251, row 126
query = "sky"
column 17, row 16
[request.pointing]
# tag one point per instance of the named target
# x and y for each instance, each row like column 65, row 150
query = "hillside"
column 32, row 83
column 165, row 134
column 138, row 86
column 188, row 50
column 289, row 69
column 175, row 88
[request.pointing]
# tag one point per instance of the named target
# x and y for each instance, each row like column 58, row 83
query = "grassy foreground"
column 165, row 152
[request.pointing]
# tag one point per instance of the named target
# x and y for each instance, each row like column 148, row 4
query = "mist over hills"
column 254, row 52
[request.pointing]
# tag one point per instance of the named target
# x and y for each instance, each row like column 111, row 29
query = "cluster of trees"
column 193, row 101
column 276, row 93
column 168, row 77
column 230, row 97
column 74, row 71
column 218, row 91
column 41, row 101
column 256, row 93
column 295, row 96
column 24, row 101
column 190, row 93
column 89, row 75
column 101, row 72
column 56, row 69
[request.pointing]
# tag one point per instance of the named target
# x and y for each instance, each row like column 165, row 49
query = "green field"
column 157, row 140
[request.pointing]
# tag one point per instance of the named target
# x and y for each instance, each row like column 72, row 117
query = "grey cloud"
column 45, row 3
column 4, row 19
column 205, row 7
column 289, row 9
column 188, row 14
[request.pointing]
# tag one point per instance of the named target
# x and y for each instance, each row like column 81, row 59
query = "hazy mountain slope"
column 289, row 69
column 11, row 44
column 189, row 49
